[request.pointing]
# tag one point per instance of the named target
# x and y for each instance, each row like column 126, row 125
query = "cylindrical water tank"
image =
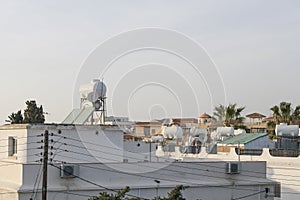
column 157, row 138
column 196, row 132
column 174, row 132
column 239, row 131
column 285, row 130
column 93, row 91
column 225, row 131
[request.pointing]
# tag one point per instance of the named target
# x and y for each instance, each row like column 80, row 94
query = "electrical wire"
column 106, row 146
column 96, row 184
column 249, row 195
column 156, row 169
column 36, row 180
column 158, row 177
column 30, row 136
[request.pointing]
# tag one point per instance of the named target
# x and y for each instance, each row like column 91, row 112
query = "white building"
column 95, row 156
column 123, row 122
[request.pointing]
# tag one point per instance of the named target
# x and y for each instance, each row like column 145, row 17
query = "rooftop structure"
column 244, row 141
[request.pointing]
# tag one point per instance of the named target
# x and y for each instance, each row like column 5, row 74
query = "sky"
column 253, row 45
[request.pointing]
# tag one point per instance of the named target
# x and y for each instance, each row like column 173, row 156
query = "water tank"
column 285, row 130
column 93, row 91
column 157, row 138
column 196, row 132
column 239, row 131
column 172, row 132
column 225, row 131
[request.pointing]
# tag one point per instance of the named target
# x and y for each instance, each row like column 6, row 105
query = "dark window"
column 12, row 146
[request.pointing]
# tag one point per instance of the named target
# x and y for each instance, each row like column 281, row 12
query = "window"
column 12, row 146
column 146, row 130
column 153, row 131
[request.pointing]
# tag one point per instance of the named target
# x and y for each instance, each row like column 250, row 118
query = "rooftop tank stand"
column 103, row 110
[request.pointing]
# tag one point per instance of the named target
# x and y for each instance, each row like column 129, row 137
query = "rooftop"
column 243, row 138
column 255, row 115
column 204, row 115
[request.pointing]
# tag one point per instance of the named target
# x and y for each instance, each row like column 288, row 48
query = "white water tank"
column 239, row 131
column 93, row 91
column 172, row 132
column 157, row 138
column 285, row 130
column 196, row 131
column 225, row 131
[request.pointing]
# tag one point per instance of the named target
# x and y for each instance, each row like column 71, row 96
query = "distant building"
column 244, row 141
column 204, row 120
column 146, row 129
column 123, row 122
column 256, row 123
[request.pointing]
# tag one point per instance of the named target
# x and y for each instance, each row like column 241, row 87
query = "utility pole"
column 150, row 150
column 45, row 165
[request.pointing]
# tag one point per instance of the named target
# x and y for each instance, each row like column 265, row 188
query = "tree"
column 229, row 115
column 32, row 114
column 283, row 113
column 16, row 118
column 120, row 195
column 174, row 194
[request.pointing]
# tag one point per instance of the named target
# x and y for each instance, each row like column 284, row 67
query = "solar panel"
column 79, row 116
column 84, row 115
column 72, row 116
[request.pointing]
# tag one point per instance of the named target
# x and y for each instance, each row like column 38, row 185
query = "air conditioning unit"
column 69, row 171
column 232, row 168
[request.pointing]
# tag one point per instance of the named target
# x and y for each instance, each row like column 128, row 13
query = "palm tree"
column 229, row 115
column 16, row 118
column 219, row 113
column 284, row 113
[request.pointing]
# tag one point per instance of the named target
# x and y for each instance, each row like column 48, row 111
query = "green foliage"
column 283, row 113
column 33, row 114
column 16, row 118
column 229, row 115
column 120, row 195
column 175, row 194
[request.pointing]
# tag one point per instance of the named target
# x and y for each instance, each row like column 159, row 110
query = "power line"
column 96, row 184
column 89, row 155
column 36, row 182
column 30, row 136
column 250, row 195
column 158, row 177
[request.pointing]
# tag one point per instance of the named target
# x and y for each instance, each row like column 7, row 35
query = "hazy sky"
column 255, row 45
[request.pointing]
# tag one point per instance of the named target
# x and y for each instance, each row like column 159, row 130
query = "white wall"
column 206, row 178
column 19, row 132
column 137, row 151
column 280, row 169
column 82, row 143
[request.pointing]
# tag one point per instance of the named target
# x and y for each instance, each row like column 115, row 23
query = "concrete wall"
column 208, row 180
column 20, row 134
column 139, row 130
column 137, row 151
column 73, row 144
column 280, row 169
